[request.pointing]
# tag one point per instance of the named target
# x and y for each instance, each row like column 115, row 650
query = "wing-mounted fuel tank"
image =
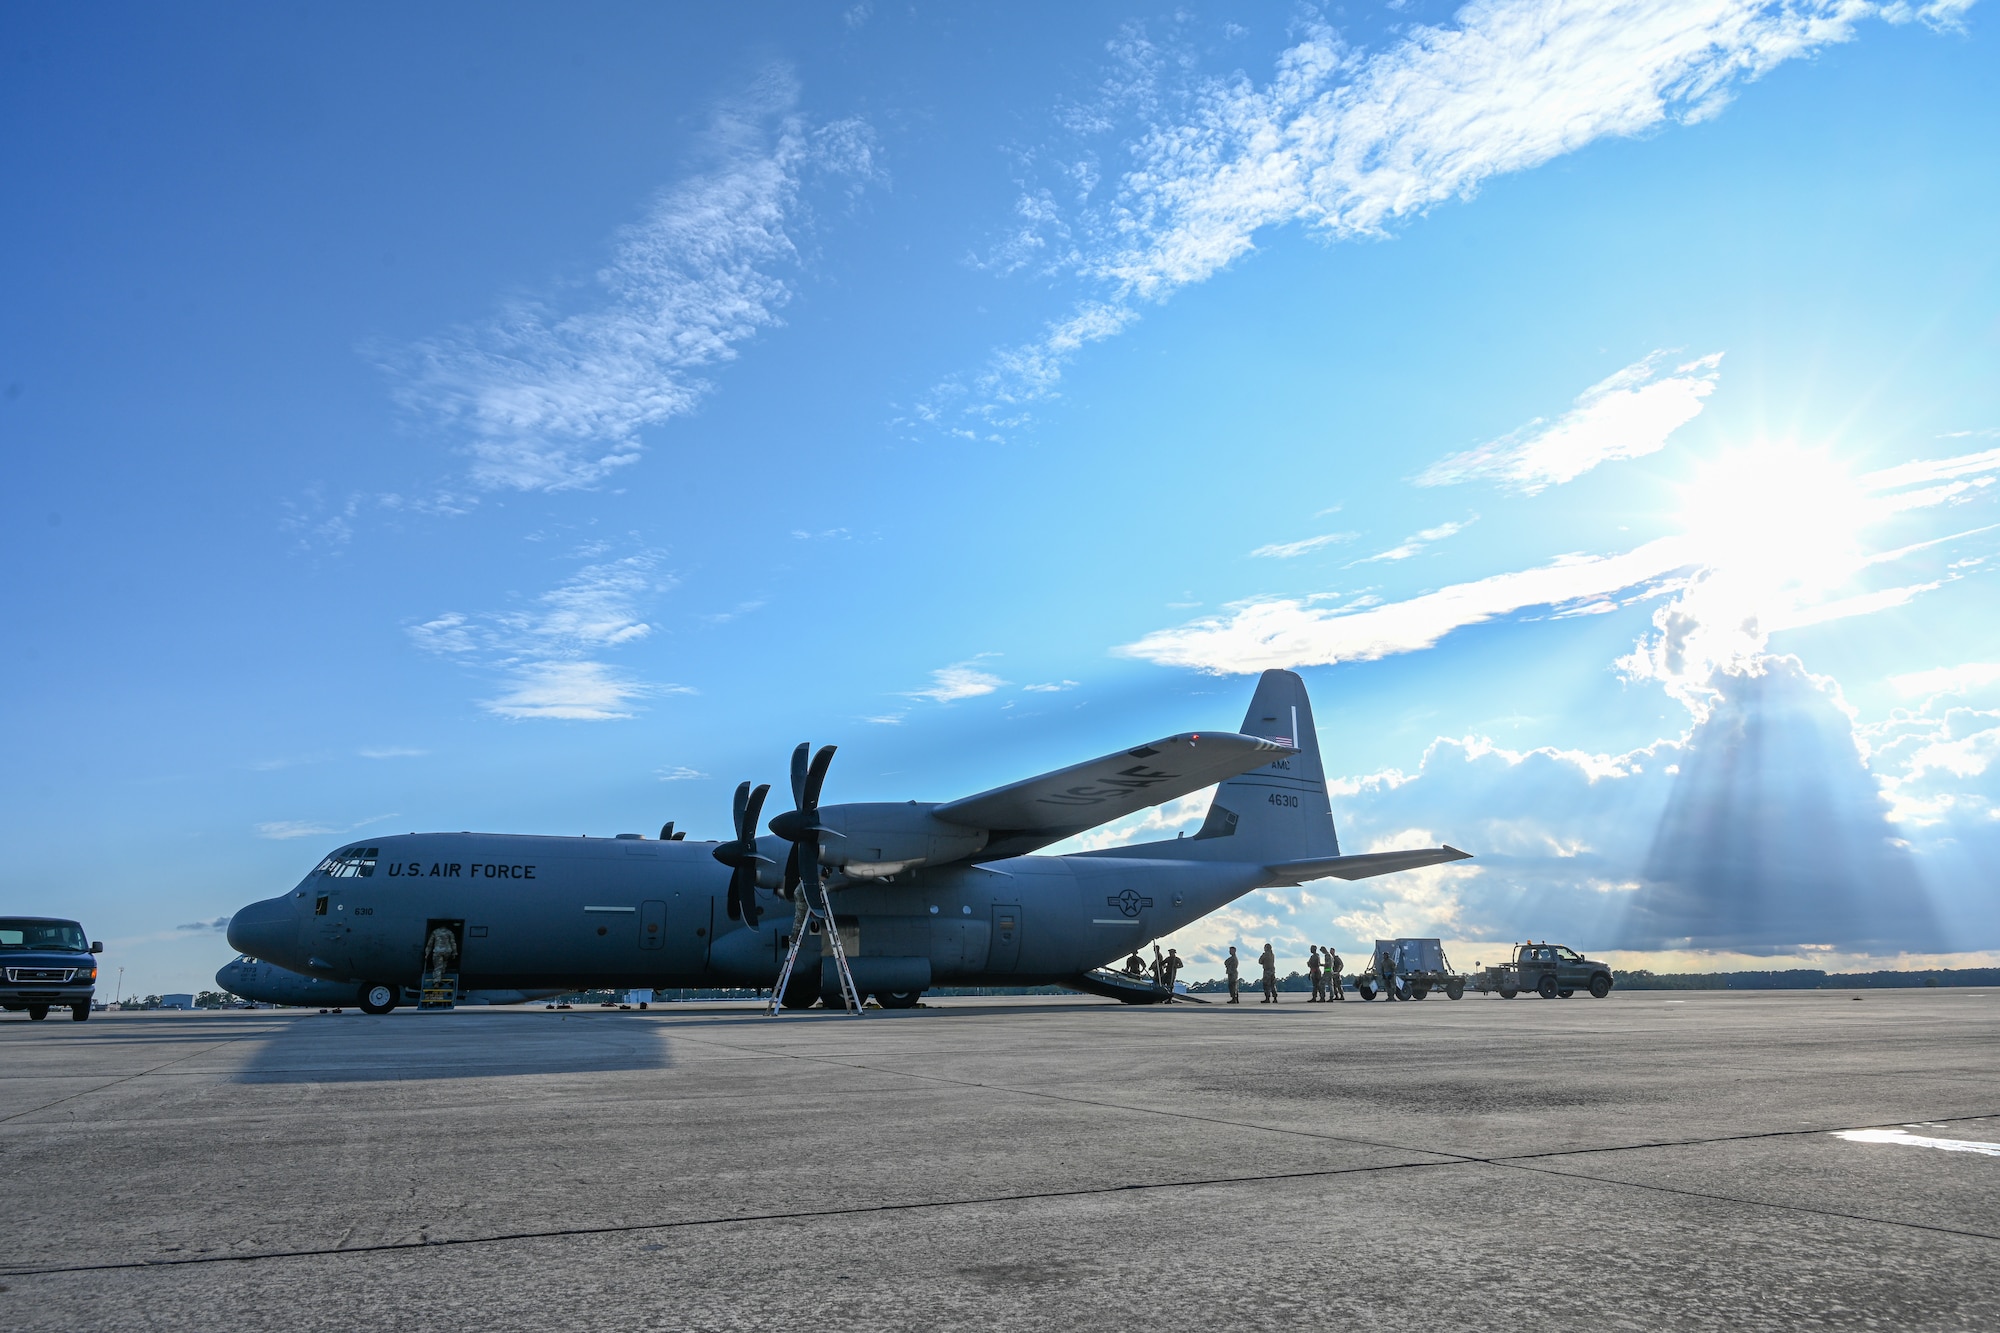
column 868, row 840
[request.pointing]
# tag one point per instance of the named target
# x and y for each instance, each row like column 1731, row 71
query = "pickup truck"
column 1550, row 970
column 46, row 963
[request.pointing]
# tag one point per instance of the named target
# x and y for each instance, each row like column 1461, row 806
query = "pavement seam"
column 1099, row 1191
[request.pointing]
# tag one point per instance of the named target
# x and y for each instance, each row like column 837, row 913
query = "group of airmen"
column 1323, row 966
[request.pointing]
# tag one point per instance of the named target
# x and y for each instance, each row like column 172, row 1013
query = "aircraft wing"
column 1082, row 796
column 1365, row 866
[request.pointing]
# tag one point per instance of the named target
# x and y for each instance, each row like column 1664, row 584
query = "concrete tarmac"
column 1656, row 1160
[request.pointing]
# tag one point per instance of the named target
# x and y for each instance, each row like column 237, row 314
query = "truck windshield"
column 17, row 933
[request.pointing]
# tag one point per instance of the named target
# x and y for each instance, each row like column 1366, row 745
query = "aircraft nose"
column 265, row 930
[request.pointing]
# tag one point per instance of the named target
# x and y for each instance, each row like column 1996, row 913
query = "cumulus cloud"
column 1348, row 141
column 1626, row 415
column 220, row 923
column 553, row 393
column 549, row 654
column 961, row 680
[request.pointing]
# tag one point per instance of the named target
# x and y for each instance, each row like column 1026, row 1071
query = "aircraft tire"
column 898, row 999
column 38, row 1012
column 378, row 998
column 801, row 995
column 80, row 1012
column 1547, row 988
column 1600, row 986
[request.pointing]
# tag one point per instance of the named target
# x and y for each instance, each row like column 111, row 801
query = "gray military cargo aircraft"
column 922, row 893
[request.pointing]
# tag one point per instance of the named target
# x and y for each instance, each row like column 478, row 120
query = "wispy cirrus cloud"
column 1743, row 571
column 1348, row 142
column 1287, row 632
column 553, row 392
column 1304, row 546
column 284, row 829
column 1626, row 415
column 548, row 654
column 1417, row 541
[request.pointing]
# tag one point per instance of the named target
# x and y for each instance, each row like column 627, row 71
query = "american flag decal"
column 1282, row 740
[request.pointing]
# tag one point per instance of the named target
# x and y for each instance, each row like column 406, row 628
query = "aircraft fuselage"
column 536, row 912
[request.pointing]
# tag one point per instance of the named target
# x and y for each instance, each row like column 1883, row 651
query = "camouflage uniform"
column 1229, row 966
column 1269, row 960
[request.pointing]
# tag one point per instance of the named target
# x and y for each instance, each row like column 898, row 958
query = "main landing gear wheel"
column 1600, row 986
column 38, row 1012
column 898, row 999
column 1547, row 988
column 378, row 998
column 801, row 994
column 80, row 1012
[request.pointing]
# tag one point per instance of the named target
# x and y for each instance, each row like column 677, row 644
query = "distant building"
column 177, row 1002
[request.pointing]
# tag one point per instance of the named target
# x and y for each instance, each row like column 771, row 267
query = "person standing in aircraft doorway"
column 1229, row 968
column 1268, row 960
column 440, row 952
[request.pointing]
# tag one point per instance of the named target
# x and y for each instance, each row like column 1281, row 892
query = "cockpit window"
column 16, row 933
column 350, row 863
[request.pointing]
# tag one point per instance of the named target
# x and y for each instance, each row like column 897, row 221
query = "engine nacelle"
column 878, row 839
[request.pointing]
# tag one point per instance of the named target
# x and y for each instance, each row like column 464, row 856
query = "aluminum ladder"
column 828, row 931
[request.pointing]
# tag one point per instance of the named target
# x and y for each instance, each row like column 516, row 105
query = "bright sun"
column 1783, row 522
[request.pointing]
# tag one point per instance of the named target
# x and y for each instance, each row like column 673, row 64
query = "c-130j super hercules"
column 921, row 894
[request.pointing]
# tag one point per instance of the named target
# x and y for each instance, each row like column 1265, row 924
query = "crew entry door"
column 1006, row 951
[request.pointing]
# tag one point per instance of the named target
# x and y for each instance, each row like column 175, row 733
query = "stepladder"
column 818, row 914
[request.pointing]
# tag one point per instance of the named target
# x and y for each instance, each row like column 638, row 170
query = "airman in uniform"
column 1313, row 971
column 1333, row 967
column 1229, row 966
column 1268, row 960
column 1169, row 969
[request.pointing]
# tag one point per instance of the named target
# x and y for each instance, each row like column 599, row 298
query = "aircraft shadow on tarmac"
column 354, row 1048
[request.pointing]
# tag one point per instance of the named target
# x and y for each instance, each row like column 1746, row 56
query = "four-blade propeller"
column 741, row 855
column 800, row 825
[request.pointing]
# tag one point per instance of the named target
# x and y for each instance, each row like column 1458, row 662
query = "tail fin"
column 1276, row 813
column 1281, row 811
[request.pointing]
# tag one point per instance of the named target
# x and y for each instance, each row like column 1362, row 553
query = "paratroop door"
column 1006, row 949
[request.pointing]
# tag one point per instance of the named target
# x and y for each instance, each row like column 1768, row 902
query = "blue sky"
column 514, row 419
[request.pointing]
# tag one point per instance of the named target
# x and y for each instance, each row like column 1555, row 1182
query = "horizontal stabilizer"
column 1085, row 795
column 1365, row 866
